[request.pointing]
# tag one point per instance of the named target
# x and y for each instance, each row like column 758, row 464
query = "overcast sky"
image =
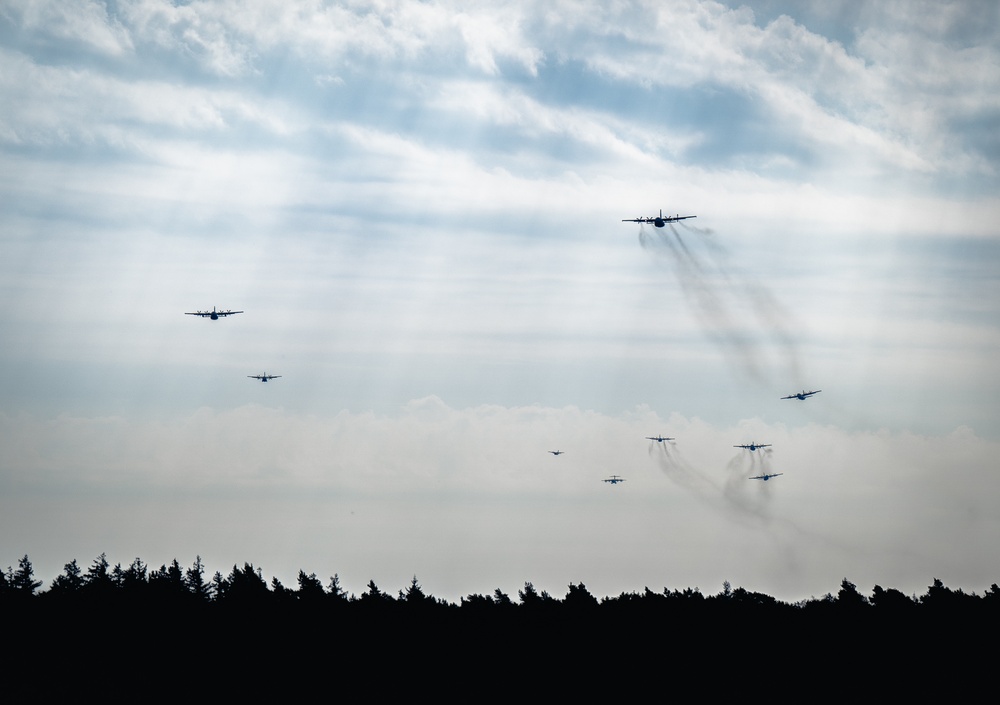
column 419, row 208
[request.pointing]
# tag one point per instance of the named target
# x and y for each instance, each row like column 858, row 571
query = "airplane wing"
column 679, row 217
column 227, row 313
column 637, row 220
column 198, row 313
column 802, row 394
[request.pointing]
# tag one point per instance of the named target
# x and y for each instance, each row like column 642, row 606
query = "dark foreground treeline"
column 137, row 586
column 124, row 631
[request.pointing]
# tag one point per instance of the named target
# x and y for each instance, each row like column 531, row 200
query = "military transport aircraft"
column 659, row 220
column 557, row 452
column 263, row 378
column 659, row 439
column 213, row 314
column 754, row 446
column 802, row 395
column 614, row 479
column 766, row 476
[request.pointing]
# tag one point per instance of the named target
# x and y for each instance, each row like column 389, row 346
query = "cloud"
column 86, row 23
column 489, row 36
column 877, row 506
column 874, row 100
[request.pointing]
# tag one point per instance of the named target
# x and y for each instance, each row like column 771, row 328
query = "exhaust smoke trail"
column 737, row 312
column 748, row 503
column 750, row 496
column 734, row 496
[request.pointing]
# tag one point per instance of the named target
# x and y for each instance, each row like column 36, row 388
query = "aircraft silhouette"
column 754, row 446
column 659, row 220
column 213, row 314
column 659, row 439
column 766, row 476
column 802, row 395
column 263, row 378
column 557, row 452
column 614, row 479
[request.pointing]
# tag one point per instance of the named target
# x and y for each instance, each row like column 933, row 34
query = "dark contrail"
column 750, row 497
column 735, row 497
column 739, row 314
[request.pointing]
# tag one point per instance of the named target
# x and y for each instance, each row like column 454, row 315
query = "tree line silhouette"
column 122, row 628
column 136, row 585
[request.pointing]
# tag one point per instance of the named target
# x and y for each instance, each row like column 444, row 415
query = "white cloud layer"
column 878, row 507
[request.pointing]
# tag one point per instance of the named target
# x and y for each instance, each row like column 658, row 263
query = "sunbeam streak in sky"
column 417, row 210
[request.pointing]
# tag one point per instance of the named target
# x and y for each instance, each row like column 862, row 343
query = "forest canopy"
column 174, row 585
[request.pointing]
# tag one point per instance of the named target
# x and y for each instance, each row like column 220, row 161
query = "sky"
column 418, row 207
